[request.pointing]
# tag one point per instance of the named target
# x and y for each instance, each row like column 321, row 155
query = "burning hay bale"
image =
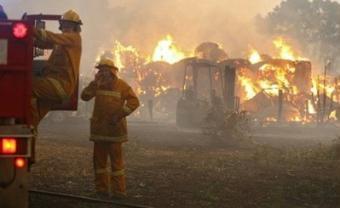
column 210, row 51
column 275, row 88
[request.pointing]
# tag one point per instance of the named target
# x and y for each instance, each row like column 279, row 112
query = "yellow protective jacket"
column 120, row 102
column 62, row 68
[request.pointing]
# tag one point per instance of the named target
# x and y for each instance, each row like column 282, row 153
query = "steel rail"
column 89, row 199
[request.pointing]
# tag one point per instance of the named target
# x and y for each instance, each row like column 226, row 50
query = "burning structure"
column 279, row 88
column 283, row 88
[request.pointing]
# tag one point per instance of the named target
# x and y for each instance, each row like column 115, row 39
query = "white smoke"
column 142, row 23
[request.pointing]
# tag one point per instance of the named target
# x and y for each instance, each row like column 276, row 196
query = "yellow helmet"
column 104, row 61
column 71, row 16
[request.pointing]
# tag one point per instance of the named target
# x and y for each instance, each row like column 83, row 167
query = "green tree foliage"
column 314, row 23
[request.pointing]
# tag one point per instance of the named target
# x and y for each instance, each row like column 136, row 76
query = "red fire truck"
column 17, row 65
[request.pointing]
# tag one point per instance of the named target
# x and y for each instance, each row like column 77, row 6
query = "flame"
column 160, row 90
column 249, row 87
column 321, row 85
column 120, row 51
column 285, row 50
column 311, row 108
column 280, row 75
column 167, row 51
column 271, row 119
column 269, row 88
column 270, row 78
column 295, row 119
column 122, row 55
column 254, row 56
column 332, row 116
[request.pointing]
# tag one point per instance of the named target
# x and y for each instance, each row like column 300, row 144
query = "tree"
column 314, row 23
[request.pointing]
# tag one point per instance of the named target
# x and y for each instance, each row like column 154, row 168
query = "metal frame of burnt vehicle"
column 202, row 92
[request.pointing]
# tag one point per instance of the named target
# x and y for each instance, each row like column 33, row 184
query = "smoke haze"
column 143, row 23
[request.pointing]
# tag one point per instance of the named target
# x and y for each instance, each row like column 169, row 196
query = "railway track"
column 114, row 203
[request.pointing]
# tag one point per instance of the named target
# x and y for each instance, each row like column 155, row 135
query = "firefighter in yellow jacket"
column 114, row 100
column 60, row 76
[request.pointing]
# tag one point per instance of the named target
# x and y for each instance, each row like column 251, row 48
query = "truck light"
column 20, row 30
column 20, row 162
column 8, row 146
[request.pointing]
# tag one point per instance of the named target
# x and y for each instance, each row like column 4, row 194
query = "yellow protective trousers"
column 44, row 96
column 109, row 180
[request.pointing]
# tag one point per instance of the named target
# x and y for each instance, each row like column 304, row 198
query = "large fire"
column 266, row 78
column 137, row 69
column 270, row 78
column 279, row 74
column 321, row 86
column 167, row 51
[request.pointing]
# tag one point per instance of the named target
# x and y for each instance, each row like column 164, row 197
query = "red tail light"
column 8, row 146
column 20, row 162
column 14, row 147
column 20, row 30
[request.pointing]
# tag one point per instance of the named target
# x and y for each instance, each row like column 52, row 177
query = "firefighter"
column 114, row 100
column 60, row 76
column 58, row 79
column 3, row 15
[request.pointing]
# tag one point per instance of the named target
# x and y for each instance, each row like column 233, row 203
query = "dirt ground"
column 169, row 167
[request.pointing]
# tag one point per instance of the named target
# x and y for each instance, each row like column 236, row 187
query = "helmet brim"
column 103, row 65
column 70, row 21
